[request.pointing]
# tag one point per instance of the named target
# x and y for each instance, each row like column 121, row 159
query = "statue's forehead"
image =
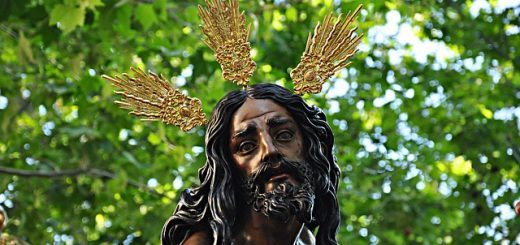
column 254, row 109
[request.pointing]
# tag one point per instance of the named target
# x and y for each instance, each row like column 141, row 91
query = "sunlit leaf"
column 460, row 166
column 145, row 14
column 67, row 17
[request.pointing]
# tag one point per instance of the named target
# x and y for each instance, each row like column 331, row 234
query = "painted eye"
column 246, row 147
column 285, row 136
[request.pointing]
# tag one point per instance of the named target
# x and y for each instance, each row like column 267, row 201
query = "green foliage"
column 426, row 118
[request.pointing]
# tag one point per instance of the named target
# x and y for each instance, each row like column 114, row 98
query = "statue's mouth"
column 276, row 174
column 272, row 175
column 278, row 177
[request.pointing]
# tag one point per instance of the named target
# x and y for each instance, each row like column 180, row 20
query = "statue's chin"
column 285, row 200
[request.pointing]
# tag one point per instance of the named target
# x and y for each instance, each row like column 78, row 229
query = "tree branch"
column 7, row 30
column 46, row 174
column 95, row 172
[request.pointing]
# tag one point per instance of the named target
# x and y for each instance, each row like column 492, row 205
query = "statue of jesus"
column 270, row 175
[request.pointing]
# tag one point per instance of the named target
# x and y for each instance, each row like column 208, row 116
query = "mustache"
column 297, row 169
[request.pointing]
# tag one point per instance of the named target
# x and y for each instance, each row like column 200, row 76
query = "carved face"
column 263, row 131
column 266, row 146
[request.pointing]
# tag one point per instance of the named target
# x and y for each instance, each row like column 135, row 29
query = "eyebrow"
column 250, row 128
column 277, row 121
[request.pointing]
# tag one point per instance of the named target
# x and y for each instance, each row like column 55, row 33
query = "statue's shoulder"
column 198, row 237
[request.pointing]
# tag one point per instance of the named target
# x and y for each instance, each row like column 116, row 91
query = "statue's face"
column 266, row 146
column 263, row 131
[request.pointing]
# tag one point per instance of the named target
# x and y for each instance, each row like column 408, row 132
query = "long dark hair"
column 212, row 206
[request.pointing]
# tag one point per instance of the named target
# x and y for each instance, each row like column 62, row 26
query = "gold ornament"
column 327, row 51
column 226, row 35
column 152, row 98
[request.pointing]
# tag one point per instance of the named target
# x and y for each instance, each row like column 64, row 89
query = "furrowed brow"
column 277, row 121
column 244, row 132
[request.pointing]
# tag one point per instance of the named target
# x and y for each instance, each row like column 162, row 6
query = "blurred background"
column 426, row 117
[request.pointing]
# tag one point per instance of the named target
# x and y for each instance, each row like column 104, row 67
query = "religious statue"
column 270, row 175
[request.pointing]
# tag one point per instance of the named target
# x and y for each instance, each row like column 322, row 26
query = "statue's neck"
column 255, row 228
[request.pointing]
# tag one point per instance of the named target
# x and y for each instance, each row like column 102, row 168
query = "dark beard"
column 285, row 200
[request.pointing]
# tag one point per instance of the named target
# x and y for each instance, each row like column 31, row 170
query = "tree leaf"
column 24, row 49
column 145, row 14
column 67, row 17
column 91, row 4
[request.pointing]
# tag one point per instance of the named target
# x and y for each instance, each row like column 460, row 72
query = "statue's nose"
column 270, row 151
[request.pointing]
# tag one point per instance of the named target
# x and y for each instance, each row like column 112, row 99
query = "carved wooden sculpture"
column 270, row 175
